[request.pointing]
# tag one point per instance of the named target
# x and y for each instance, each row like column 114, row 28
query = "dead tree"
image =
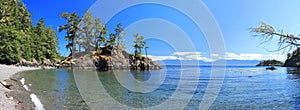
column 267, row 33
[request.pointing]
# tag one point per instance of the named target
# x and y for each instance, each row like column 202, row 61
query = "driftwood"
column 6, row 84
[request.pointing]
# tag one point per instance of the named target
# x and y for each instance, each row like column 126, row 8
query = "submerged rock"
column 271, row 68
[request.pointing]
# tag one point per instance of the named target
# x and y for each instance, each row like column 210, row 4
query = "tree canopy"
column 139, row 44
column 19, row 39
column 89, row 34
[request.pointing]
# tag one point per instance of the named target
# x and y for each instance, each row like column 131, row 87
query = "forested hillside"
column 25, row 44
column 19, row 39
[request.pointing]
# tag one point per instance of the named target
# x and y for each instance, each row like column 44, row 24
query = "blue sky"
column 234, row 18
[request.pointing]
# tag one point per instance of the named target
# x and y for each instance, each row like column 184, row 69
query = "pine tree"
column 115, row 39
column 10, row 33
column 9, row 45
column 71, row 27
column 52, row 42
column 25, row 25
column 100, row 32
column 19, row 39
column 40, row 41
column 119, row 32
column 87, row 34
column 139, row 44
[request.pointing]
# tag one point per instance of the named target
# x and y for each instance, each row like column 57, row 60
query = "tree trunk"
column 146, row 53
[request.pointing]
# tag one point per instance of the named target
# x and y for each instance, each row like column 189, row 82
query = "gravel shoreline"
column 8, row 102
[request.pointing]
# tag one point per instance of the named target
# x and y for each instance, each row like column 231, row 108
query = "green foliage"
column 100, row 32
column 115, row 39
column 10, row 45
column 51, row 45
column 270, row 63
column 139, row 55
column 89, row 34
column 71, row 27
column 294, row 57
column 139, row 44
column 19, row 39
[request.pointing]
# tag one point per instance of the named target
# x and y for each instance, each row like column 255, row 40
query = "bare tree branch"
column 267, row 33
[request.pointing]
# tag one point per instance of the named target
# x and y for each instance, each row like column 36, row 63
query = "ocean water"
column 174, row 87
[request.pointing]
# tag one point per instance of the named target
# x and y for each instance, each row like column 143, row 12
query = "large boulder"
column 24, row 62
column 293, row 59
column 47, row 62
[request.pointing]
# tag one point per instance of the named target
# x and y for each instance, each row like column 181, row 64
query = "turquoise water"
column 243, row 87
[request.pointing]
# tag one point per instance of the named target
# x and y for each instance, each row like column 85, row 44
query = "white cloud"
column 186, row 53
column 159, row 58
column 214, row 57
column 192, row 56
column 277, row 57
column 182, row 56
column 247, row 56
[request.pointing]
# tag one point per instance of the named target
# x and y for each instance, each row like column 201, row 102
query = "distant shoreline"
column 6, row 72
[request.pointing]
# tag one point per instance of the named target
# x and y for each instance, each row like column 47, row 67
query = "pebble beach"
column 7, row 71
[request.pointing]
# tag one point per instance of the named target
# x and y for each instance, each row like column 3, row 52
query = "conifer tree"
column 18, row 38
column 71, row 27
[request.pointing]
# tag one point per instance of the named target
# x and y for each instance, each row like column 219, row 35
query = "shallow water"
column 175, row 87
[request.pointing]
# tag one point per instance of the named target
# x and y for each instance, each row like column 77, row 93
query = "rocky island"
column 270, row 63
column 114, row 58
column 88, row 41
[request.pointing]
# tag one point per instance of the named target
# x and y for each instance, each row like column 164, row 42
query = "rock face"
column 293, row 59
column 270, row 63
column 291, row 62
column 110, row 59
column 35, row 63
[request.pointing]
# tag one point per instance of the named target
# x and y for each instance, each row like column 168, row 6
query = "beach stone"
column 47, row 62
column 6, row 72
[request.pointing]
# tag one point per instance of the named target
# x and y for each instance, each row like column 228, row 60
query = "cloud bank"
column 214, row 57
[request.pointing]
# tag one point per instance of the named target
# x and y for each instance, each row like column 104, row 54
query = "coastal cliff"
column 293, row 59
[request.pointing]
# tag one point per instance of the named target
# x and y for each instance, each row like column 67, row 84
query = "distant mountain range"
column 200, row 62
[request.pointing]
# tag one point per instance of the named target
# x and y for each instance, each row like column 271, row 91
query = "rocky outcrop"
column 270, row 63
column 113, row 59
column 24, row 62
column 110, row 59
column 35, row 63
column 293, row 60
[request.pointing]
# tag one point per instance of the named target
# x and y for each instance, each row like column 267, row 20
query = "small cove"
column 243, row 87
